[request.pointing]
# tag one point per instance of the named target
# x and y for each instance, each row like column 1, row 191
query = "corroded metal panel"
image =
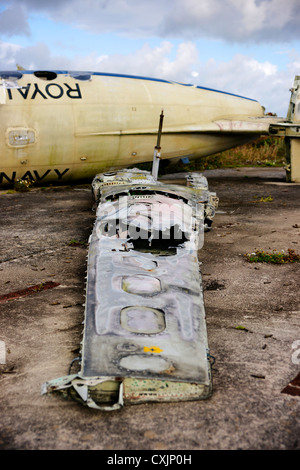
column 66, row 126
column 145, row 329
column 119, row 321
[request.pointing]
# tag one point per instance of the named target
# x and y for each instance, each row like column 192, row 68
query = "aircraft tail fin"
column 293, row 113
column 290, row 130
column 293, row 141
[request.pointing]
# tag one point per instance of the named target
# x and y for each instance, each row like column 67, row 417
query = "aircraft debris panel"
column 290, row 130
column 145, row 335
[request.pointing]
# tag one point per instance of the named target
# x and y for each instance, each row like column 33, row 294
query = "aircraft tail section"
column 290, row 130
column 293, row 142
column 293, row 114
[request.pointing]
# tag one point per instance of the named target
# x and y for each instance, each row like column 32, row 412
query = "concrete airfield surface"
column 252, row 311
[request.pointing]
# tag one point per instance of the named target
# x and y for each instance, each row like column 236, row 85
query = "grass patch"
column 275, row 257
column 74, row 242
column 266, row 151
column 264, row 199
column 11, row 191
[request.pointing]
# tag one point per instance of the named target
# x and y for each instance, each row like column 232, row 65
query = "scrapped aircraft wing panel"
column 145, row 336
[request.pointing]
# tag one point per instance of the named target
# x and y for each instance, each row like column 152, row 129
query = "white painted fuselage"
column 68, row 126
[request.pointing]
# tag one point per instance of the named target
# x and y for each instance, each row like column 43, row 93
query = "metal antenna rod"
column 157, row 148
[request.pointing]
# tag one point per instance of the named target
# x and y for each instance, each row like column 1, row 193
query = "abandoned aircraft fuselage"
column 65, row 126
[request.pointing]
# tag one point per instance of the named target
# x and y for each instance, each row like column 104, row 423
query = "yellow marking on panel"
column 153, row 349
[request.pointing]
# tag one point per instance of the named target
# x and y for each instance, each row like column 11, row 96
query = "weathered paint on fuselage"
column 63, row 126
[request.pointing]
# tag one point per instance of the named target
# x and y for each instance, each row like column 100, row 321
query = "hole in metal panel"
column 45, row 75
column 106, row 392
column 143, row 320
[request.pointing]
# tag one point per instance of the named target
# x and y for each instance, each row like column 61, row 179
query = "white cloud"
column 265, row 67
column 231, row 20
column 33, row 57
column 8, row 53
column 8, row 49
column 146, row 61
column 246, row 76
column 234, row 20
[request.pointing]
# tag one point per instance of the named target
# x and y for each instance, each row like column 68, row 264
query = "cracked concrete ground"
column 41, row 332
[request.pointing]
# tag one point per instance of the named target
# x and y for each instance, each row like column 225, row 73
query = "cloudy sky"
column 248, row 47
